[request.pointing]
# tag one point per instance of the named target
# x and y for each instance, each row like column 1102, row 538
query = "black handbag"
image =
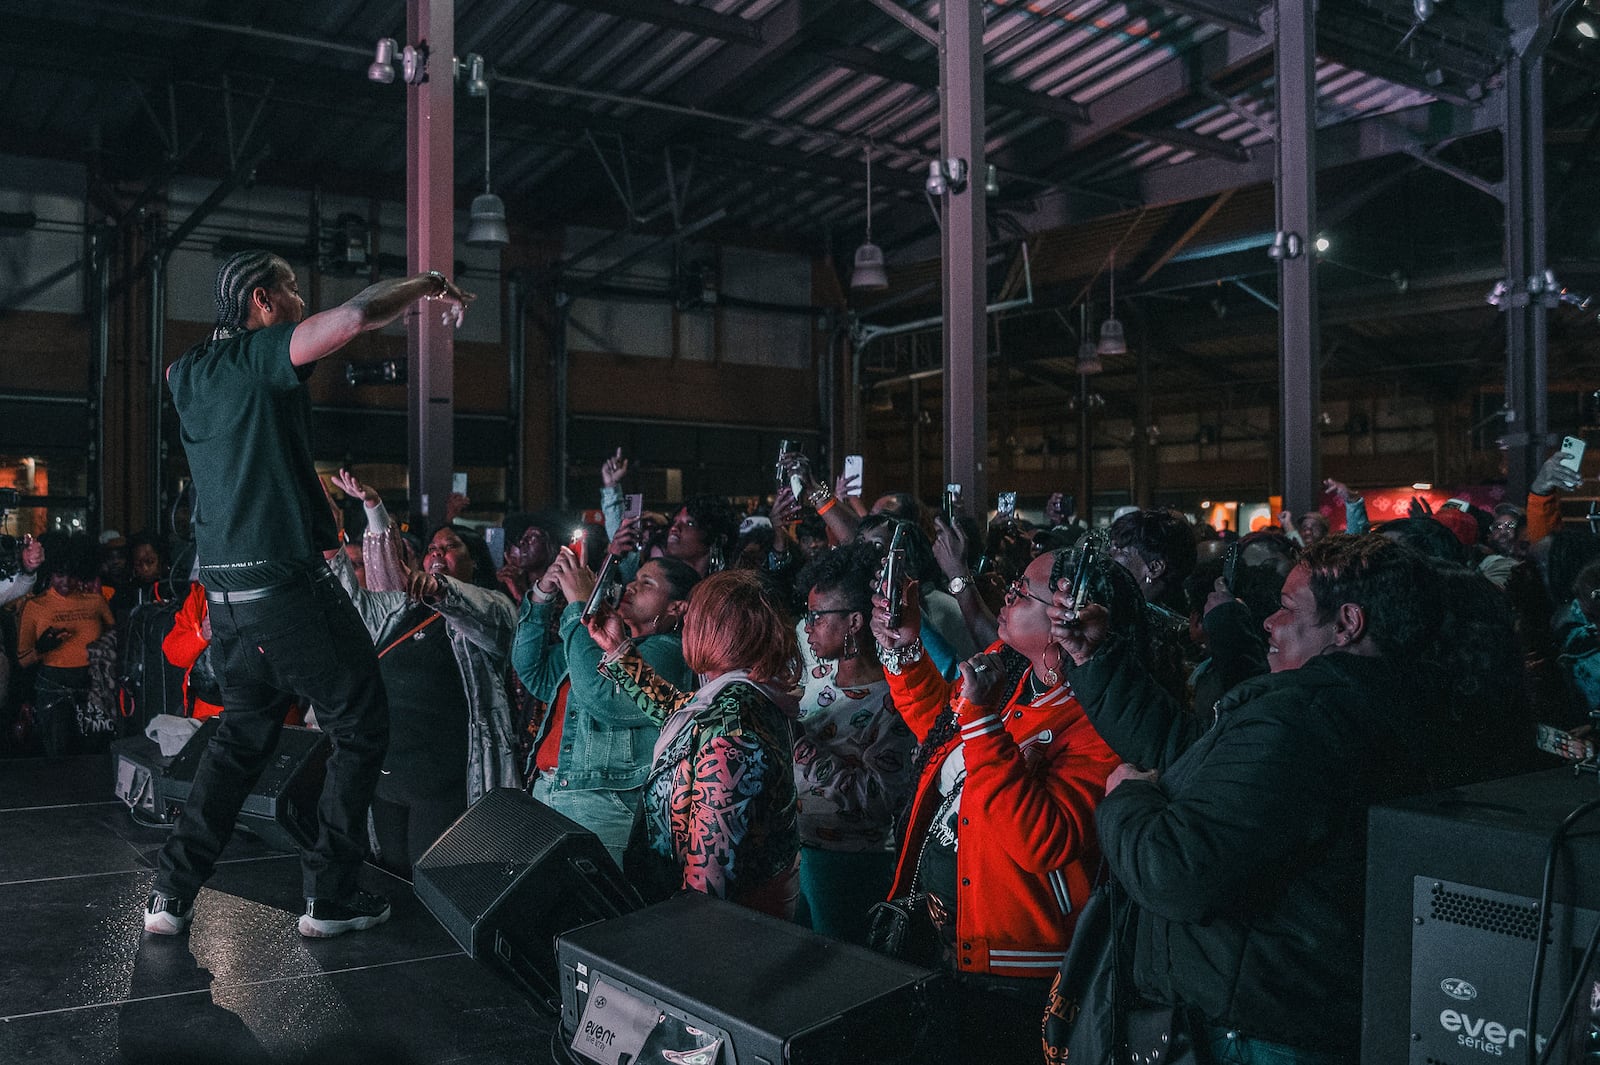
column 903, row 928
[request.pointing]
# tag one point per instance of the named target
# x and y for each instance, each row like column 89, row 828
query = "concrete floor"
column 80, row 983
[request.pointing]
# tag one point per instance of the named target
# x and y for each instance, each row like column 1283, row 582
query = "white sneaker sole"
column 166, row 924
column 312, row 928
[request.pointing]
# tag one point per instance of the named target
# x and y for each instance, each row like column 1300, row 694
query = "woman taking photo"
column 718, row 811
column 595, row 746
column 852, row 759
column 1001, row 833
column 443, row 641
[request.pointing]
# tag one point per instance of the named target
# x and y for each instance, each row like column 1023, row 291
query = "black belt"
column 310, row 578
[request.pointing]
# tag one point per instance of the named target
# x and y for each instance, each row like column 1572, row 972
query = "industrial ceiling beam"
column 925, row 75
column 1229, row 14
column 687, row 17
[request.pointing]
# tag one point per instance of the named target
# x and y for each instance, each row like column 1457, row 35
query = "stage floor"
column 81, row 983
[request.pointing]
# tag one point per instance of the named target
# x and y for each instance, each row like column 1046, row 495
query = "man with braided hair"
column 282, row 626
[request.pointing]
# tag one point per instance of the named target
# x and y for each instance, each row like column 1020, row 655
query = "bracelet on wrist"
column 829, row 505
column 896, row 659
column 820, row 496
column 616, row 653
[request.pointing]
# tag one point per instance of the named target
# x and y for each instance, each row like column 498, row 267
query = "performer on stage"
column 281, row 624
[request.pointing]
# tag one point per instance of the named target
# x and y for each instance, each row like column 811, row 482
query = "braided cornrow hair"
column 241, row 275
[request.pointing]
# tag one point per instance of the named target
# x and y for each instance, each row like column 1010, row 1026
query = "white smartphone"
column 1573, row 448
column 458, row 484
column 852, row 468
column 633, row 507
column 495, row 537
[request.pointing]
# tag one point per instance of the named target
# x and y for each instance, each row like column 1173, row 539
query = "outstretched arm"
column 373, row 307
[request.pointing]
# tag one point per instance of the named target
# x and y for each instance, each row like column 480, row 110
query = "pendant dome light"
column 487, row 228
column 869, row 274
column 1113, row 339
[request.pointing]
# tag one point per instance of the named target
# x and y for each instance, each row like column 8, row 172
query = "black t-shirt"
column 427, row 757
column 245, row 414
column 936, row 870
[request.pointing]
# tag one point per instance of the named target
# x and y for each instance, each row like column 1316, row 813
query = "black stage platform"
column 81, row 983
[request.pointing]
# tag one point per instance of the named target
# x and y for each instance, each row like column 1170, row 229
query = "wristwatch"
column 960, row 584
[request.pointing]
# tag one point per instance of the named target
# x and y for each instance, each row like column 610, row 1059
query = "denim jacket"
column 607, row 742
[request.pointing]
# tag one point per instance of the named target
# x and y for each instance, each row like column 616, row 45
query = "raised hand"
column 785, row 508
column 613, row 469
column 910, row 625
column 1079, row 632
column 346, row 482
column 983, row 680
column 455, row 298
column 1339, row 489
column 950, row 548
column 1554, row 475
column 627, row 539
column 32, row 554
column 606, row 629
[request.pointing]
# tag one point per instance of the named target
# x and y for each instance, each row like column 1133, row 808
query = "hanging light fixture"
column 1113, row 340
column 1088, row 354
column 382, row 68
column 488, row 226
column 869, row 274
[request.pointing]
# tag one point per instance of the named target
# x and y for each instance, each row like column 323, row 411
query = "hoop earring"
column 850, row 648
column 1052, row 674
column 714, row 561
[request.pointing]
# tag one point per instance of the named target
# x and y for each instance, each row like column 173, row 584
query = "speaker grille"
column 485, row 851
column 1489, row 915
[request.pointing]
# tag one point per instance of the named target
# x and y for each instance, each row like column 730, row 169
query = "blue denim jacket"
column 607, row 743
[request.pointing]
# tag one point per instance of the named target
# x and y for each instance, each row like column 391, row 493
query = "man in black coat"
column 1243, row 847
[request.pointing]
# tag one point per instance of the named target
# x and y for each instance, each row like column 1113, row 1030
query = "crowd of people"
column 938, row 754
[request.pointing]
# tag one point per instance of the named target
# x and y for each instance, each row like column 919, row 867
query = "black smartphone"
column 1080, row 575
column 607, row 589
column 1230, row 567
column 952, row 503
column 894, row 575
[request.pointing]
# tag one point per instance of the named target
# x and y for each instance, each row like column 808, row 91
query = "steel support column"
column 965, row 251
column 99, row 276
column 1527, row 336
column 1299, row 355
column 430, row 245
column 516, row 326
column 560, row 401
column 1085, row 452
column 157, row 333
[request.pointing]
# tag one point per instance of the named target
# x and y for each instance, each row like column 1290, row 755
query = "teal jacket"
column 607, row 742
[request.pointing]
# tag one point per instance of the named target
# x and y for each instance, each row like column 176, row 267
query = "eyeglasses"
column 1019, row 588
column 811, row 616
column 1506, row 526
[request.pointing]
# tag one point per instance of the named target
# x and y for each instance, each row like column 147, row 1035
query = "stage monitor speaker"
column 1453, row 884
column 512, row 874
column 281, row 809
column 699, row 979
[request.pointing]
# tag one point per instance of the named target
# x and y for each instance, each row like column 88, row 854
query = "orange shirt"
column 85, row 617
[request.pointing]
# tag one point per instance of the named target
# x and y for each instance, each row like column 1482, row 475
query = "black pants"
column 306, row 641
column 57, row 694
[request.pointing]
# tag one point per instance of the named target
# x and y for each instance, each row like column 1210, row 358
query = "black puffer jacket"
column 1247, row 859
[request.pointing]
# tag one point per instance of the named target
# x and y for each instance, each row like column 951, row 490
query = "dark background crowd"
column 820, row 701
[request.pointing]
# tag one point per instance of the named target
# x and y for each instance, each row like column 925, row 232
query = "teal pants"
column 838, row 888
